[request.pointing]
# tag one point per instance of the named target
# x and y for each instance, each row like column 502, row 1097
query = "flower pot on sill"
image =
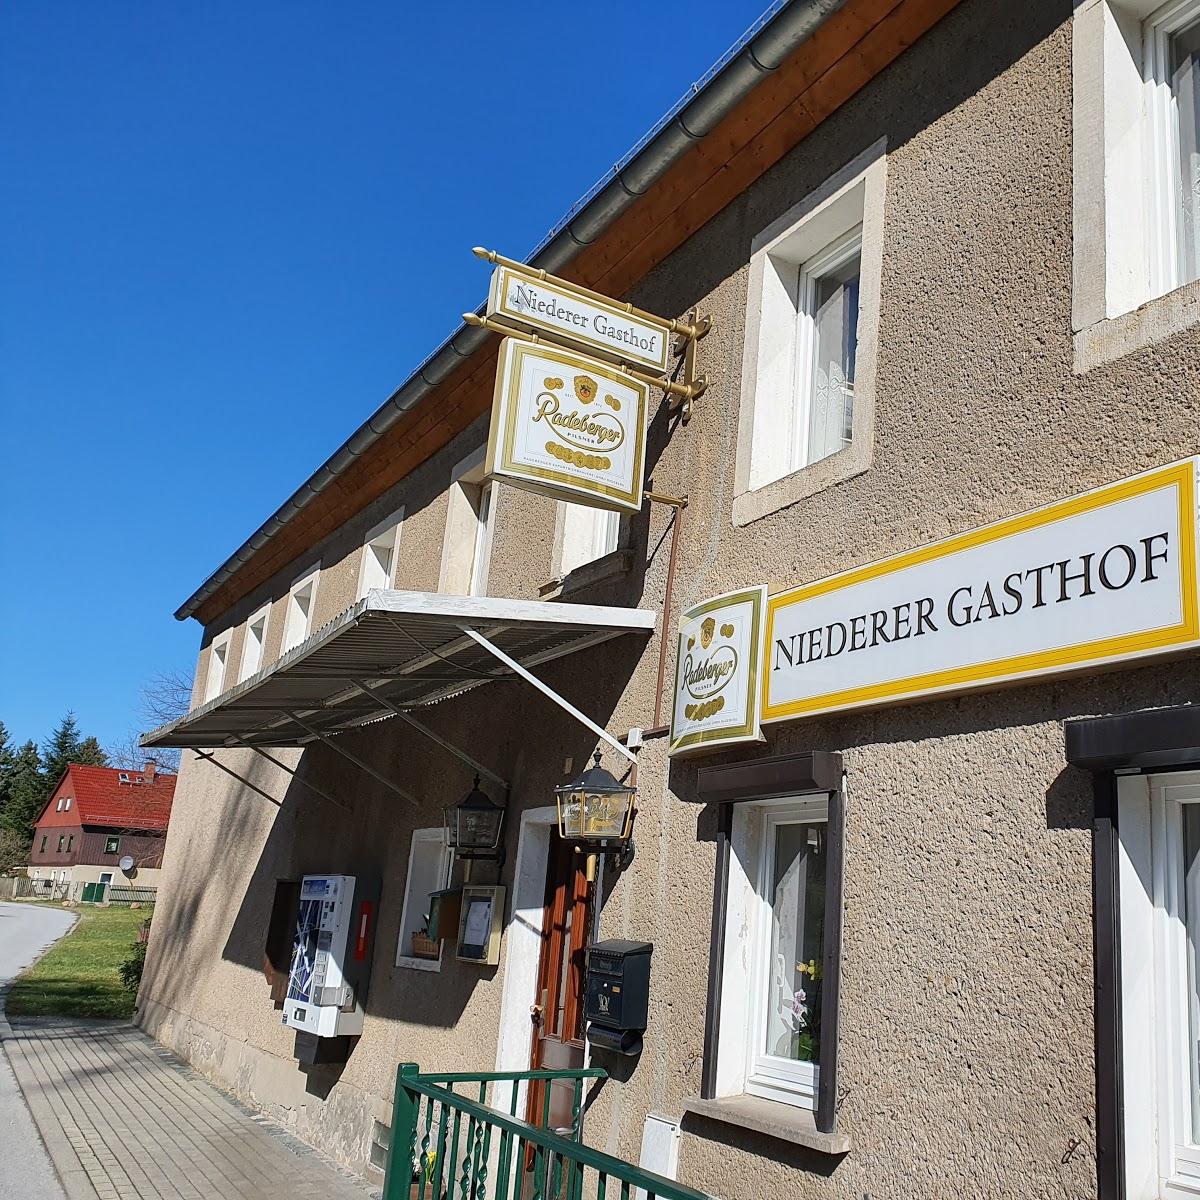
column 424, row 947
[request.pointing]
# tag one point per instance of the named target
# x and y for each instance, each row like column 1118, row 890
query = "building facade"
column 946, row 250
column 103, row 825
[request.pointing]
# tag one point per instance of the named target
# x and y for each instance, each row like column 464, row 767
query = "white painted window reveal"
column 381, row 555
column 255, row 643
column 298, row 613
column 218, row 655
column 429, row 866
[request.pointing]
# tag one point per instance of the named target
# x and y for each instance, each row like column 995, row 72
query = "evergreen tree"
column 91, row 753
column 7, row 760
column 61, row 748
column 28, row 790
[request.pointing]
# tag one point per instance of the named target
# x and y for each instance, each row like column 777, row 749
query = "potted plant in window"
column 424, row 946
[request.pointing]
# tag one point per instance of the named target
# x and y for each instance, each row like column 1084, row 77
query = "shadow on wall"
column 507, row 725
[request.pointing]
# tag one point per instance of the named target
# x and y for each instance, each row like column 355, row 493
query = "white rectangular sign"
column 1102, row 577
column 568, row 426
column 595, row 324
column 716, row 672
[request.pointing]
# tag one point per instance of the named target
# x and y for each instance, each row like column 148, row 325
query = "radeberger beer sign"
column 607, row 327
column 568, row 426
column 716, row 672
column 1107, row 576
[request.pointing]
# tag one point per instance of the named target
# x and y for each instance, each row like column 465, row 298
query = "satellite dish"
column 126, row 863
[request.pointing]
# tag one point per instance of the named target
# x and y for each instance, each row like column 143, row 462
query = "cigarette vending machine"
column 330, row 958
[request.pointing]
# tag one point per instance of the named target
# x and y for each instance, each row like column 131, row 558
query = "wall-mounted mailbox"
column 618, row 994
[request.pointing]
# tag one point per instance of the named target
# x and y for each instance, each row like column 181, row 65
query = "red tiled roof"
column 102, row 799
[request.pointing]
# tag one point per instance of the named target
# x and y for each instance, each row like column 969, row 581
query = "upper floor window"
column 298, row 612
column 218, row 655
column 1172, row 70
column 586, row 534
column 43, row 845
column 381, row 555
column 62, row 841
column 112, row 845
column 255, row 644
column 470, row 521
column 67, row 804
column 807, row 403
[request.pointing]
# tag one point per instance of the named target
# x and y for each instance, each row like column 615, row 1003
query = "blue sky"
column 205, row 216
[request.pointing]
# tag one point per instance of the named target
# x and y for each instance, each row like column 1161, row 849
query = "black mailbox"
column 618, row 994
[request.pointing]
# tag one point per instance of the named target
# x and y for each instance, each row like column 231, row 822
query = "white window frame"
column 290, row 641
column 583, row 534
column 386, row 534
column 67, row 804
column 1127, row 291
column 742, row 1069
column 1159, row 1164
column 434, row 835
column 771, row 470
column 467, row 543
column 218, row 665
column 251, row 666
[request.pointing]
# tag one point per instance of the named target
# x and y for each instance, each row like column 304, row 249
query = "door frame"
column 522, row 953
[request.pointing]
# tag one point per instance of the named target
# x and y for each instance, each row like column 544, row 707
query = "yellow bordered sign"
column 716, row 672
column 522, row 298
column 1102, row 577
column 568, row 426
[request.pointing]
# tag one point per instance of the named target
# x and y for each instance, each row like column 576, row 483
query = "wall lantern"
column 473, row 827
column 595, row 811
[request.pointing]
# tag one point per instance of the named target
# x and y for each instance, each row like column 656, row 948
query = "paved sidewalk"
column 25, row 1168
column 125, row 1120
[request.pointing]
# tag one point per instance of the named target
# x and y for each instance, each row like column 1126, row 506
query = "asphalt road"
column 25, row 1170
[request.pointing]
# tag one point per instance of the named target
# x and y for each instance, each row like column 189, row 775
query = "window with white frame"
column 807, row 409
column 1159, row 885
column 470, row 521
column 1136, row 158
column 218, row 655
column 381, row 555
column 67, row 804
column 1172, row 73
column 585, row 534
column 255, row 644
column 429, row 865
column 808, row 345
column 770, row 1029
column 298, row 612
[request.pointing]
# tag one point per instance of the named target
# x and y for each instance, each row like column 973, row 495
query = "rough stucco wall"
column 967, row 1060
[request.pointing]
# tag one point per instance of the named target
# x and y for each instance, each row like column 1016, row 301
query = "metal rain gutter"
column 759, row 52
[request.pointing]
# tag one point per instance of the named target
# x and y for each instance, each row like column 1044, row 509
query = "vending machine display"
column 329, row 958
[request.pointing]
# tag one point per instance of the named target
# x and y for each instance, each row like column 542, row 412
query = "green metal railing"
column 448, row 1146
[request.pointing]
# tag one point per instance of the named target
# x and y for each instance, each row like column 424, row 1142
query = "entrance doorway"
column 557, row 1041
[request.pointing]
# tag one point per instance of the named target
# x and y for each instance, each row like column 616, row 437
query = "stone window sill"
column 783, row 1121
column 854, row 460
column 619, row 562
column 1113, row 338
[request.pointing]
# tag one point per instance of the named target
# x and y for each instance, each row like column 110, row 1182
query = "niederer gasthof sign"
column 568, row 426
column 595, row 325
column 716, row 672
column 1106, row 576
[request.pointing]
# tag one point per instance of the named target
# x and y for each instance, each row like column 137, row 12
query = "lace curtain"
column 1185, row 85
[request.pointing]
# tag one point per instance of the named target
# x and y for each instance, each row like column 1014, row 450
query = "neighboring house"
column 98, row 817
column 937, row 303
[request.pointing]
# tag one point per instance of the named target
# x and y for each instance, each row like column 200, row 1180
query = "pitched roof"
column 101, row 798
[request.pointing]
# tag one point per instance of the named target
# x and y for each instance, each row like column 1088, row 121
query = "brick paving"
column 123, row 1119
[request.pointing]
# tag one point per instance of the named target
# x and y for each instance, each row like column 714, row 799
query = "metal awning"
column 393, row 652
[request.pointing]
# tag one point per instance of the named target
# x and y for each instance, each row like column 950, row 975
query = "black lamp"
column 473, row 827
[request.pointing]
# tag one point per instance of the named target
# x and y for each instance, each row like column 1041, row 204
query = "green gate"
column 450, row 1147
column 93, row 893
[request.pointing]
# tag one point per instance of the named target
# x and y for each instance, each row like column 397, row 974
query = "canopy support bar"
column 358, row 762
column 312, row 787
column 208, row 756
column 421, row 727
column 548, row 692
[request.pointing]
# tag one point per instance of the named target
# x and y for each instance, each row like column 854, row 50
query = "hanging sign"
column 594, row 324
column 716, row 672
column 568, row 426
column 1106, row 576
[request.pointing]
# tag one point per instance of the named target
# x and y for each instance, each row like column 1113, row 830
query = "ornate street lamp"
column 596, row 812
column 473, row 827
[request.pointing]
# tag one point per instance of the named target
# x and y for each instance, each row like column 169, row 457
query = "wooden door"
column 557, row 1013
